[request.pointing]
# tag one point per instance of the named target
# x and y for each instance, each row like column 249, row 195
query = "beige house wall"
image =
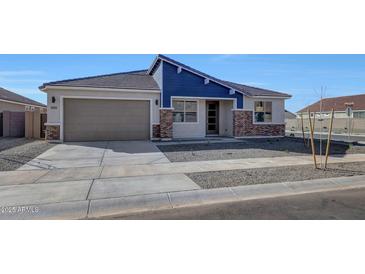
column 338, row 114
column 192, row 130
column 33, row 124
column 278, row 107
column 5, row 106
column 340, row 125
column 225, row 118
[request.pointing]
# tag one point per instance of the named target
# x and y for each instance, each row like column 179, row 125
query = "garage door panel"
column 94, row 120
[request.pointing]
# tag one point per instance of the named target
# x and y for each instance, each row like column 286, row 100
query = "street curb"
column 154, row 202
column 129, row 205
column 53, row 211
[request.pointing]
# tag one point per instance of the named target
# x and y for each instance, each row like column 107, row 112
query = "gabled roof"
column 337, row 103
column 13, row 97
column 247, row 90
column 142, row 79
column 124, row 80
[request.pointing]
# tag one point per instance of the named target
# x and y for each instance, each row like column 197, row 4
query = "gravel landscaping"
column 232, row 178
column 248, row 148
column 15, row 152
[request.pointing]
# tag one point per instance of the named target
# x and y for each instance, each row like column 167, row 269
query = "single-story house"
column 11, row 101
column 339, row 105
column 12, row 113
column 169, row 100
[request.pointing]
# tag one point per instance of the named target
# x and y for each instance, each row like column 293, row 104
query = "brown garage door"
column 95, row 120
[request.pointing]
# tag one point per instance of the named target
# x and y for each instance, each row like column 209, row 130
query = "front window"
column 263, row 112
column 359, row 114
column 185, row 111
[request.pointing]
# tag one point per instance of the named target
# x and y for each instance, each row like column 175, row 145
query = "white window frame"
column 358, row 111
column 186, row 100
column 254, row 112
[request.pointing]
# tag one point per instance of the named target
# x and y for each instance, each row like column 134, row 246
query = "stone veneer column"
column 243, row 126
column 239, row 118
column 52, row 133
column 156, row 131
column 166, row 123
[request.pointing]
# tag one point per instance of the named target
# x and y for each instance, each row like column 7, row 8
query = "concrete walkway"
column 82, row 205
column 120, row 171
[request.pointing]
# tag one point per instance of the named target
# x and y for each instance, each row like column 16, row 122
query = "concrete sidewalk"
column 120, row 171
column 95, row 191
column 89, row 208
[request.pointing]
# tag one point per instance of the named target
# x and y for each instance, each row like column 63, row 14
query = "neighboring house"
column 290, row 115
column 339, row 104
column 169, row 100
column 12, row 113
column 10, row 101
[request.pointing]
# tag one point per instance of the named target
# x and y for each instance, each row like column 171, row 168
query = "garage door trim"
column 100, row 98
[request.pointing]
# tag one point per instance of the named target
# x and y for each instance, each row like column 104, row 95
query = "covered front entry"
column 104, row 119
column 214, row 117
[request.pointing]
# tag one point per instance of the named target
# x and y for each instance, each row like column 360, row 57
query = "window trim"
column 254, row 111
column 358, row 112
column 186, row 100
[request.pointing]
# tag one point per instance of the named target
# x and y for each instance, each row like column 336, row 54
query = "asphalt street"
column 341, row 205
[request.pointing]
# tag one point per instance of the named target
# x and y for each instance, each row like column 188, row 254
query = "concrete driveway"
column 68, row 176
column 88, row 154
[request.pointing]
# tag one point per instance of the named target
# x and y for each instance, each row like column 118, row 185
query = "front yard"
column 231, row 178
column 249, row 148
column 262, row 148
column 15, row 152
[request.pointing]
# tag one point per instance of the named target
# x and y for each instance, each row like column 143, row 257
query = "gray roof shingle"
column 125, row 80
column 13, row 97
column 253, row 91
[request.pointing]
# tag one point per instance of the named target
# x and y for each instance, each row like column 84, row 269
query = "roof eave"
column 286, row 96
column 46, row 88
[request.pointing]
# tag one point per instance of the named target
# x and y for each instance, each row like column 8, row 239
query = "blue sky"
column 300, row 75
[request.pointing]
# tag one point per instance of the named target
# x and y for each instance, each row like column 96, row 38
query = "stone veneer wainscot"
column 52, row 132
column 243, row 126
column 166, row 122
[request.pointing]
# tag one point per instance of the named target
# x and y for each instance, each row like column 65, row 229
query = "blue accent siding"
column 188, row 84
